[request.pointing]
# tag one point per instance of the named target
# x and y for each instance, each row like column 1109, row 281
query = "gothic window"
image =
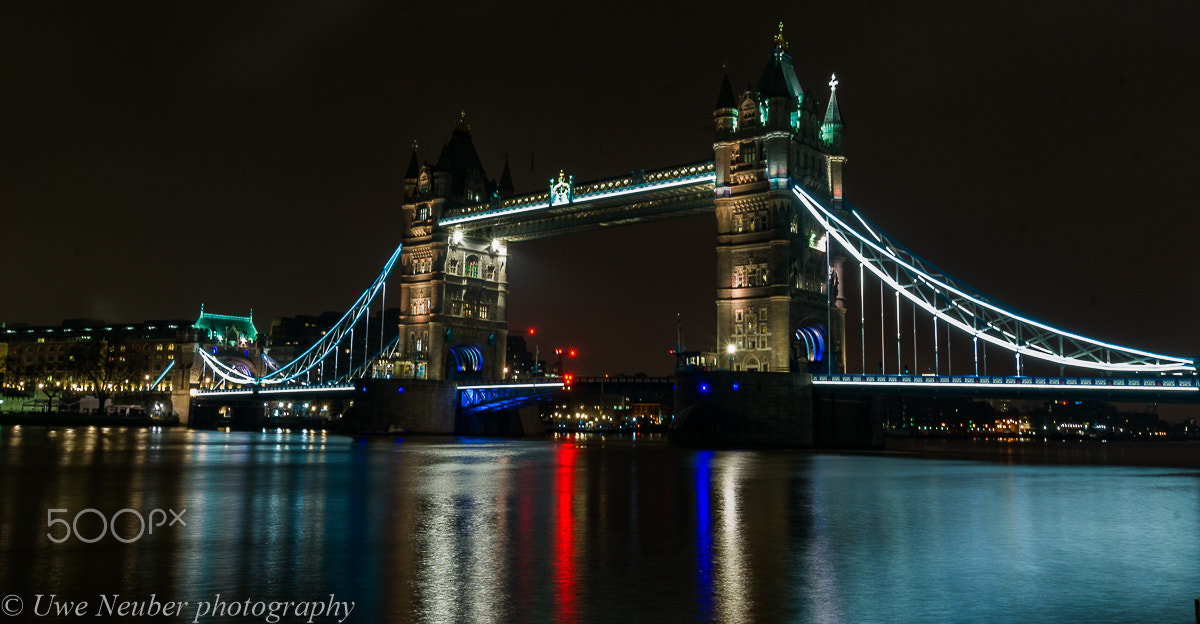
column 739, row 278
column 795, row 225
column 483, row 312
column 420, row 306
column 491, row 272
column 762, row 314
column 749, row 111
column 423, row 183
column 472, row 266
column 737, row 316
column 422, row 213
column 452, row 266
column 737, row 223
column 749, row 152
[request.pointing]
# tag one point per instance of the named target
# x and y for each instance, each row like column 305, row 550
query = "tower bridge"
column 787, row 243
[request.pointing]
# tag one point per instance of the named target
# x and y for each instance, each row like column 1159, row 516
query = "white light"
column 731, row 348
column 458, row 236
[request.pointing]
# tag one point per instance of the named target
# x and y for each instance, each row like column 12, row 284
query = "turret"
column 505, row 188
column 412, row 175
column 832, row 135
column 725, row 113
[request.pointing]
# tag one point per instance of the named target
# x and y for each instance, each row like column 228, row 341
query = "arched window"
column 472, row 266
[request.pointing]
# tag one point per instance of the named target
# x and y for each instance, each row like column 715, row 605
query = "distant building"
column 150, row 361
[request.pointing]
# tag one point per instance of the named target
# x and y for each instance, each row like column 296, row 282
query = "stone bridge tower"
column 779, row 306
column 454, row 287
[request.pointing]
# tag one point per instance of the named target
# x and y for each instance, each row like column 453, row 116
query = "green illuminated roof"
column 228, row 328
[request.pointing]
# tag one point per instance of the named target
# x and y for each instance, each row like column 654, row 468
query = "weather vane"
column 833, row 82
column 779, row 42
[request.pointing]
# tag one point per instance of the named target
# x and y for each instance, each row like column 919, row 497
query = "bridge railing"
column 638, row 181
column 1160, row 383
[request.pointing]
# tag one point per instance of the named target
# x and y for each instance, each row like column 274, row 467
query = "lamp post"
column 731, row 349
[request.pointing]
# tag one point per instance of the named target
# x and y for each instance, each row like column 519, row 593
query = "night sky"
column 156, row 156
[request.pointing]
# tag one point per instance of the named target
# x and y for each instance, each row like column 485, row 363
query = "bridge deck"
column 1159, row 389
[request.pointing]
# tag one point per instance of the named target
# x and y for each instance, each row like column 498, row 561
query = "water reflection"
column 599, row 530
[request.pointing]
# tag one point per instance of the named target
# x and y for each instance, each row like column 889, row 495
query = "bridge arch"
column 811, row 343
column 464, row 361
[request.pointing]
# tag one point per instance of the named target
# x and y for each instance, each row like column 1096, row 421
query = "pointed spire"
column 832, row 128
column 725, row 98
column 833, row 115
column 414, row 166
column 779, row 78
column 506, row 184
column 461, row 125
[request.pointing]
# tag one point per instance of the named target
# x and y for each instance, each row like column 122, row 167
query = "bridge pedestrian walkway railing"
column 636, row 182
column 268, row 390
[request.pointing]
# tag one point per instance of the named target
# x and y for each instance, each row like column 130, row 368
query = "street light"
column 731, row 349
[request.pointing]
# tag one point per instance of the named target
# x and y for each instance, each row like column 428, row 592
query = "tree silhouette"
column 99, row 362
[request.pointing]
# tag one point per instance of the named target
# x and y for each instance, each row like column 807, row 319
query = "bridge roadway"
column 1166, row 389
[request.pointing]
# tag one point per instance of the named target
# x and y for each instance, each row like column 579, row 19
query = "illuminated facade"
column 453, row 284
column 778, row 304
column 145, row 363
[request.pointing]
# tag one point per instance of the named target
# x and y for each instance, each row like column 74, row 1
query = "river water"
column 268, row 526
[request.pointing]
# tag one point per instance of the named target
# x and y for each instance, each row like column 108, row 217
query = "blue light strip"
column 557, row 384
column 309, row 360
column 166, row 370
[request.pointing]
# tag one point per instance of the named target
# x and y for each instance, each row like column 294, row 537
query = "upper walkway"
column 640, row 196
